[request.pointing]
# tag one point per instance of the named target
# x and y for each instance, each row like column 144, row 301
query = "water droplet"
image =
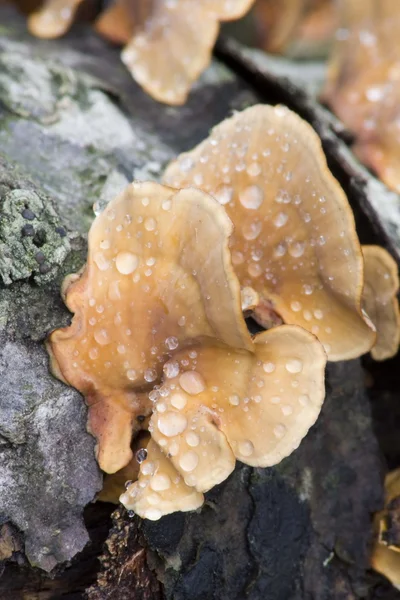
column 150, row 375
column 186, row 164
column 280, row 250
column 188, row 461
column 224, row 194
column 287, row 410
column 93, row 353
column 192, row 439
column 131, row 374
column 275, row 399
column 234, row 399
column 237, row 257
column 192, row 382
column 101, row 261
column 296, row 249
column 304, row 400
column 150, row 224
column 166, row 205
column 254, row 270
column 178, row 400
column 172, row 423
column 294, row 365
column 141, row 455
column 318, row 314
column 160, row 482
column 246, row 448
column 126, row 262
column 171, row 369
column 254, row 169
column 101, row 336
column 251, row 230
column 171, row 343
column 279, row 430
column 251, row 197
column 295, row 306
column 280, row 219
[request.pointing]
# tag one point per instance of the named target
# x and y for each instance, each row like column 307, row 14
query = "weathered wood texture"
column 79, row 128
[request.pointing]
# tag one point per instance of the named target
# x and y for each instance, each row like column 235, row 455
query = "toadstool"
column 294, row 240
column 158, row 275
column 363, row 83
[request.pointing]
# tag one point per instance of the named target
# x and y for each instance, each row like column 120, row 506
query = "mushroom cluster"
column 158, row 334
column 168, row 43
column 294, row 248
column 363, row 86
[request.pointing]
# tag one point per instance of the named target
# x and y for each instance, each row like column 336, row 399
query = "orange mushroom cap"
column 158, row 277
column 380, row 300
column 363, row 84
column 227, row 404
column 294, row 240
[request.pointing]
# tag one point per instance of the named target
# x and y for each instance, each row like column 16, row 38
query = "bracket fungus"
column 158, row 330
column 168, row 42
column 386, row 552
column 294, row 239
column 380, row 302
column 363, row 83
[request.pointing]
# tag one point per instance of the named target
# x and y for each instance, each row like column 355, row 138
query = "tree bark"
column 74, row 129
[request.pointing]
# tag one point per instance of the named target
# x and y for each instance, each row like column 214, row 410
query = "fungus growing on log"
column 227, row 404
column 386, row 552
column 147, row 288
column 294, row 239
column 168, row 43
column 380, row 302
column 363, row 84
column 158, row 330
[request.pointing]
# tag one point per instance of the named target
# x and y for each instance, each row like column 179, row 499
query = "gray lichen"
column 32, row 241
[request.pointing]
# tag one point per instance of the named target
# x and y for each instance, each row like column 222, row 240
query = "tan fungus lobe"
column 169, row 42
column 294, row 239
column 54, row 18
column 227, row 404
column 380, row 300
column 160, row 490
column 300, row 28
column 158, row 277
column 363, row 84
column 385, row 556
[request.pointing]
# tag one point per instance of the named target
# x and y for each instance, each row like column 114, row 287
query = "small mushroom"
column 380, row 302
column 158, row 277
column 386, row 551
column 227, row 404
column 294, row 240
column 363, row 83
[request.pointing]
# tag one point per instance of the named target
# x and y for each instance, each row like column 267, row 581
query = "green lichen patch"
column 33, row 242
